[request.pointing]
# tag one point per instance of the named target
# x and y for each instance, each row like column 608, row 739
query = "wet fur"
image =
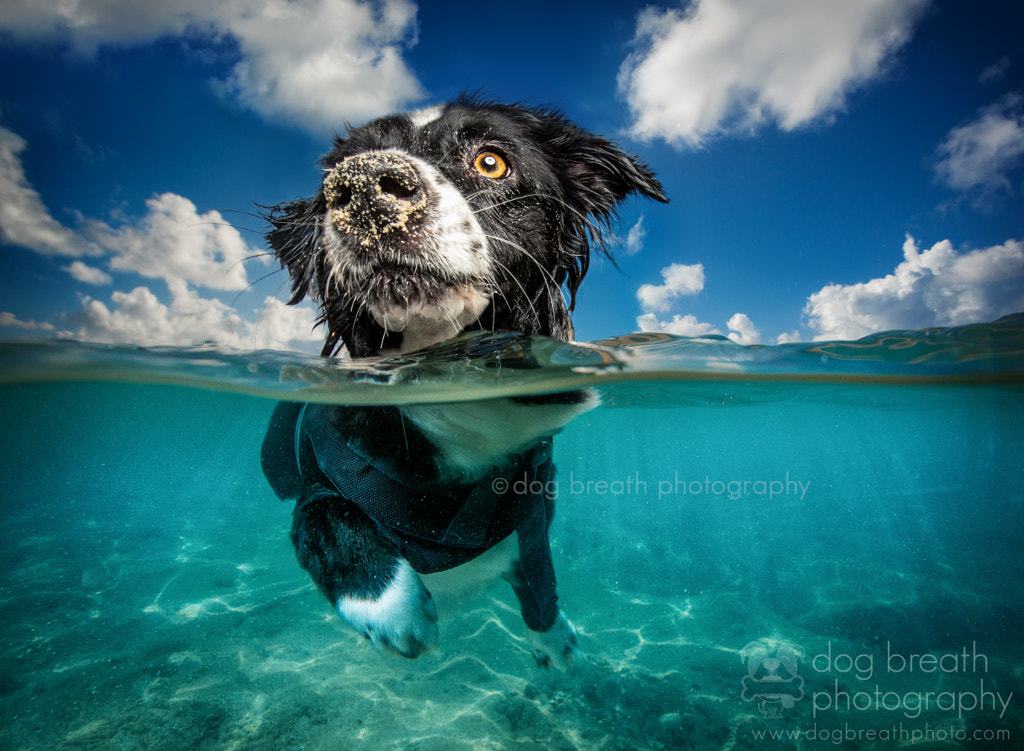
column 405, row 244
column 541, row 225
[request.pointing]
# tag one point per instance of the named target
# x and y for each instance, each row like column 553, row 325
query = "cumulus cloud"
column 11, row 321
column 680, row 325
column 87, row 274
column 283, row 326
column 725, row 67
column 314, row 62
column 935, row 287
column 139, row 317
column 680, row 279
column 24, row 219
column 685, row 280
column 742, row 331
column 979, row 155
column 634, row 241
column 325, row 61
column 173, row 241
column 995, row 72
column 789, row 337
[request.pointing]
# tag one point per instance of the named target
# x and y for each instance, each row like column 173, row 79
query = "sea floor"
column 157, row 638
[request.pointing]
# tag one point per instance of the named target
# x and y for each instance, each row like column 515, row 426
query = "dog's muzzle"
column 402, row 242
column 376, row 197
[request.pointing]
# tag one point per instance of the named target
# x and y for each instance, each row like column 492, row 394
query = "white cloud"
column 680, row 325
column 173, row 241
column 680, row 279
column 87, row 274
column 995, row 72
column 684, row 280
column 935, row 287
column 722, row 67
column 789, row 337
column 742, row 331
column 9, row 320
column 325, row 61
column 635, row 238
column 88, row 24
column 138, row 317
column 283, row 326
column 24, row 219
column 979, row 155
column 314, row 62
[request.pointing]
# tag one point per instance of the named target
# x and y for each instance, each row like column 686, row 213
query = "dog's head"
column 468, row 215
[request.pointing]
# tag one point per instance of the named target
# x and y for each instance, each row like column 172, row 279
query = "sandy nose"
column 374, row 181
column 376, row 196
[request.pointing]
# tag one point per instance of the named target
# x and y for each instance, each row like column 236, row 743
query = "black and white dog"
column 462, row 217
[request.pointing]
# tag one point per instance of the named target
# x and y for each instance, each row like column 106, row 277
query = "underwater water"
column 801, row 546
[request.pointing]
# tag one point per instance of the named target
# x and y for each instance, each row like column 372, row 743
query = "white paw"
column 402, row 620
column 557, row 646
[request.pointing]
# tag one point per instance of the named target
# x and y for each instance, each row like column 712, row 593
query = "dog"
column 468, row 216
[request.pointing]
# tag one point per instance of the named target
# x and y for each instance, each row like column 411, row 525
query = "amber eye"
column 489, row 164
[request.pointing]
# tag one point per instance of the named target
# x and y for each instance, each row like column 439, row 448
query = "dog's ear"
column 296, row 237
column 598, row 174
column 602, row 174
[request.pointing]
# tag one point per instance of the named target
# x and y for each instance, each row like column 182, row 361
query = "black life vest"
column 434, row 526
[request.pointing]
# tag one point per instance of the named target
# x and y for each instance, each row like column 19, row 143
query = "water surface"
column 847, row 514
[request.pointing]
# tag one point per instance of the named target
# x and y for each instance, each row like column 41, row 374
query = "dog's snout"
column 375, row 180
column 374, row 195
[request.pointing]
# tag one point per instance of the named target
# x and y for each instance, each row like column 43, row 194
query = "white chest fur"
column 475, row 436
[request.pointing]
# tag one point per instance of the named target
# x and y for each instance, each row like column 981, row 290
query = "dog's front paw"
column 557, row 646
column 402, row 620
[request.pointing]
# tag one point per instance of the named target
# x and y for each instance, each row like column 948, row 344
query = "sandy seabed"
column 217, row 640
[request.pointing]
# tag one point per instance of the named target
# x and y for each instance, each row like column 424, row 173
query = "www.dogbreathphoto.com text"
column 899, row 735
column 875, row 696
column 662, row 488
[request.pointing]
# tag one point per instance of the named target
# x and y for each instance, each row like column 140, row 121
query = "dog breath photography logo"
column 772, row 678
column 870, row 696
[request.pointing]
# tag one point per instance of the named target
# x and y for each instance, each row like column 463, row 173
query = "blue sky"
column 835, row 168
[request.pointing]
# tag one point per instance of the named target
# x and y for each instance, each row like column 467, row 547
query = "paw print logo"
column 772, row 676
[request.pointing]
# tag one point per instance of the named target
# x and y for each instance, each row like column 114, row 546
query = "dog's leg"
column 558, row 646
column 361, row 573
column 552, row 636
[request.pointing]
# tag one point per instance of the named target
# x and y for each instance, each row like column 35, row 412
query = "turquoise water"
column 852, row 511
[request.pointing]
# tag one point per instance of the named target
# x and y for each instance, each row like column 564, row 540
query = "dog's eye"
column 489, row 164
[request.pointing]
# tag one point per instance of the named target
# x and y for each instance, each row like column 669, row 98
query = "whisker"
column 589, row 225
column 248, row 258
column 546, row 197
column 253, row 214
column 259, row 318
column 226, row 224
column 546, row 272
column 526, row 295
column 253, row 283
